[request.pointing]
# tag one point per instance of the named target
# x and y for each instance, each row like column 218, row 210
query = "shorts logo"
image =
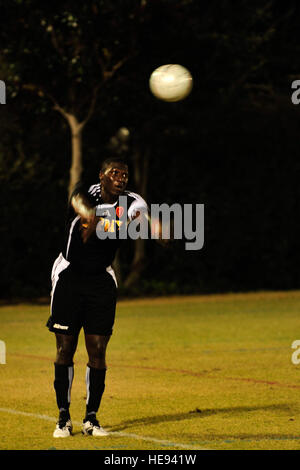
column 60, row 327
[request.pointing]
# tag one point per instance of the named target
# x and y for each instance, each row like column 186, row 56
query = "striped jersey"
column 96, row 254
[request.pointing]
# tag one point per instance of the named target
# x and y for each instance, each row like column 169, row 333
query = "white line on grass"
column 112, row 433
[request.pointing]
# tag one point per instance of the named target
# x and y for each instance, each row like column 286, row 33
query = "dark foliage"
column 231, row 145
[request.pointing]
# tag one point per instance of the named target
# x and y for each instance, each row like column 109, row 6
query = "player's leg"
column 95, row 381
column 64, row 368
column 64, row 321
column 63, row 378
column 100, row 306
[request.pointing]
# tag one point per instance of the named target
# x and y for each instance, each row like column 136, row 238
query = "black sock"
column 95, row 385
column 62, row 385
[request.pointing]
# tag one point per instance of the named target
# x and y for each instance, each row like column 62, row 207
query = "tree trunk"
column 76, row 160
column 137, row 265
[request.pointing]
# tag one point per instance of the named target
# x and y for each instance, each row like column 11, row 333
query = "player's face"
column 114, row 179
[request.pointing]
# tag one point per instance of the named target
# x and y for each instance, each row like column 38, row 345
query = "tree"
column 66, row 56
column 93, row 62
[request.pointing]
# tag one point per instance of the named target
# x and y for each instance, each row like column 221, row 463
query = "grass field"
column 211, row 372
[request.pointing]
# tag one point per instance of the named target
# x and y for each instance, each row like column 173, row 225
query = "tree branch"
column 107, row 74
column 92, row 105
column 40, row 91
column 55, row 42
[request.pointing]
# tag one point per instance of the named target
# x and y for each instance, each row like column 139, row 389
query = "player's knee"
column 97, row 363
column 65, row 349
column 96, row 348
column 97, row 355
column 64, row 355
column 99, row 350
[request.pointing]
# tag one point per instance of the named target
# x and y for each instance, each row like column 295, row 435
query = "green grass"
column 209, row 372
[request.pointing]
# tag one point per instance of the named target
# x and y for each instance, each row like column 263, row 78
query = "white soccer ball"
column 171, row 82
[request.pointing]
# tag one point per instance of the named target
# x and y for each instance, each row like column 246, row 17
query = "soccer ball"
column 171, row 82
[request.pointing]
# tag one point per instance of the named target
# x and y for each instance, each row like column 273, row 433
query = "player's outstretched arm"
column 161, row 234
column 85, row 208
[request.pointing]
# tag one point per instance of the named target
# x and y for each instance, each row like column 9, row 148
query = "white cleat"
column 93, row 428
column 63, row 429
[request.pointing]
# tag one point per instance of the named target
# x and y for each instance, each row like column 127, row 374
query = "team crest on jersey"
column 109, row 219
column 119, row 211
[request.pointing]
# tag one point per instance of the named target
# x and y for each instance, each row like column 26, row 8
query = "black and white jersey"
column 97, row 254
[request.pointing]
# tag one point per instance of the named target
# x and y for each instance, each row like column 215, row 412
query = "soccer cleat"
column 91, row 427
column 63, row 427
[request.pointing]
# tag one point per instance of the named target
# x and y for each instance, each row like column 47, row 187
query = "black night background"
column 232, row 144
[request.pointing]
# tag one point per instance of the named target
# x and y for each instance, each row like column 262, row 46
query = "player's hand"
column 87, row 212
column 158, row 232
column 83, row 207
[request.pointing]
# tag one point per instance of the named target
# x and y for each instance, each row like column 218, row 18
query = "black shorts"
column 82, row 301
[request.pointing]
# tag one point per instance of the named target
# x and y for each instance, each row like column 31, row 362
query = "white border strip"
column 60, row 264
column 111, row 433
column 70, row 234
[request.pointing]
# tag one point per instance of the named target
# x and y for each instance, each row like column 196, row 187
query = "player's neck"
column 108, row 198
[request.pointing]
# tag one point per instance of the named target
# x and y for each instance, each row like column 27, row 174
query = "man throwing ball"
column 84, row 289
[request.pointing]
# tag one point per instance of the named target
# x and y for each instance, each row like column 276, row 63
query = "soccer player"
column 84, row 288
